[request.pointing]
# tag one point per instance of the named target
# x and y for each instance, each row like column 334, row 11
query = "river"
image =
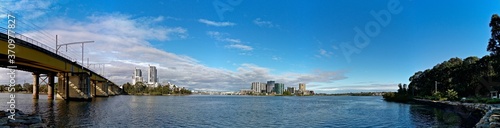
column 234, row 111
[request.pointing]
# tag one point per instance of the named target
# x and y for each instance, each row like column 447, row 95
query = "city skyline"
column 152, row 79
column 204, row 48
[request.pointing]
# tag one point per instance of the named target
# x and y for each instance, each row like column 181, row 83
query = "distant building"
column 153, row 77
column 245, row 91
column 291, row 90
column 256, row 87
column 279, row 88
column 270, row 86
column 137, row 76
column 262, row 87
column 302, row 87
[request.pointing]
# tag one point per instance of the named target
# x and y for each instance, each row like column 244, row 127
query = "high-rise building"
column 262, row 87
column 137, row 76
column 269, row 86
column 256, row 88
column 279, row 88
column 302, row 87
column 291, row 90
column 153, row 76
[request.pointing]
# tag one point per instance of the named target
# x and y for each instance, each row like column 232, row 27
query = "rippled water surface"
column 233, row 111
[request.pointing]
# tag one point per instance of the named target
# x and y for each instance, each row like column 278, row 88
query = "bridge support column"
column 62, row 85
column 50, row 87
column 110, row 89
column 79, row 86
column 93, row 90
column 36, row 82
column 101, row 89
column 74, row 86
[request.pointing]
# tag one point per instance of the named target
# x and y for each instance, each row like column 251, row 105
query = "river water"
column 234, row 111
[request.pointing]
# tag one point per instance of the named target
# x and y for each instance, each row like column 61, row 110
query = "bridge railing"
column 35, row 42
column 39, row 44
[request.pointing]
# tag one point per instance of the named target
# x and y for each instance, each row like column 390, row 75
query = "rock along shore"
column 21, row 120
column 491, row 113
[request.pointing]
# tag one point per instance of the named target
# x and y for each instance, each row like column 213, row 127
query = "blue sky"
column 282, row 40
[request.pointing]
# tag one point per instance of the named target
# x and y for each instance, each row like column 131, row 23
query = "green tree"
column 287, row 93
column 18, row 87
column 451, row 94
column 494, row 42
column 28, row 87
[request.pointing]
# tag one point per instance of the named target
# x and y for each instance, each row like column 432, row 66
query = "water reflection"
column 445, row 117
column 235, row 111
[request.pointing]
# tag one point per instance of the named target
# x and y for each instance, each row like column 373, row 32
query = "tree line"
column 469, row 77
column 142, row 89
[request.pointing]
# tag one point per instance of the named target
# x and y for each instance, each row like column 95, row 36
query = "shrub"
column 396, row 97
column 492, row 101
column 451, row 94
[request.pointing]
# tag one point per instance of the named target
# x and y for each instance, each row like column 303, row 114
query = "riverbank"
column 146, row 94
column 490, row 112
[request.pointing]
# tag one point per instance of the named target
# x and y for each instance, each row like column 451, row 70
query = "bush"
column 396, row 97
column 492, row 101
column 451, row 94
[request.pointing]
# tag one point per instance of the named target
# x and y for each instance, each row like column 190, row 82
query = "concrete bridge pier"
column 36, row 87
column 100, row 89
column 111, row 91
column 50, row 87
column 62, row 85
column 74, row 86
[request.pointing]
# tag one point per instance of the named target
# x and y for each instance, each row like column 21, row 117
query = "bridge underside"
column 74, row 81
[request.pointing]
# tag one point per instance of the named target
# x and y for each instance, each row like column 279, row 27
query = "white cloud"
column 218, row 24
column 234, row 43
column 276, row 58
column 240, row 46
column 324, row 53
column 262, row 23
column 232, row 40
column 29, row 9
column 158, row 19
column 358, row 88
column 123, row 43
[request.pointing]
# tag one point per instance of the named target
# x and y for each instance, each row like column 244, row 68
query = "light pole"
column 99, row 66
column 66, row 44
column 435, row 86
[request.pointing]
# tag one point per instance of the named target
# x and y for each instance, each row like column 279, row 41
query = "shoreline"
column 490, row 114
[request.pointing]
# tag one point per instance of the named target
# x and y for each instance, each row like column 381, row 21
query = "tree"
column 494, row 43
column 451, row 94
column 28, row 87
column 287, row 93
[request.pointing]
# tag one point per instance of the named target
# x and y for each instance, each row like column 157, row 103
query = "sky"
column 334, row 46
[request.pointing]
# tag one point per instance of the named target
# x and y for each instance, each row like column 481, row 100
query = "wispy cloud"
column 218, row 24
column 324, row 53
column 234, row 43
column 358, row 88
column 29, row 9
column 123, row 42
column 276, row 58
column 262, row 23
column 240, row 46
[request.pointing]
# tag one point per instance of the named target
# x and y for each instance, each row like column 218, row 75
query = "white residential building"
column 256, row 87
column 137, row 76
column 153, row 77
